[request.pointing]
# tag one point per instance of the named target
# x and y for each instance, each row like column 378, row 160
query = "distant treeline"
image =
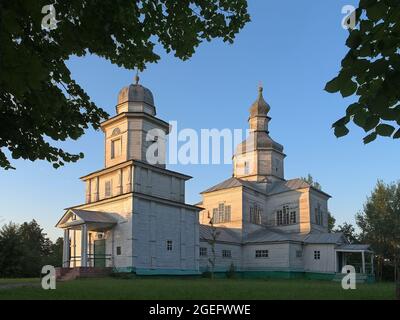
column 25, row 249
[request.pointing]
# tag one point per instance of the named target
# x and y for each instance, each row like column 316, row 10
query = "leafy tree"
column 348, row 231
column 39, row 100
column 310, row 180
column 25, row 249
column 380, row 223
column 315, row 184
column 371, row 71
column 36, row 246
column 10, row 250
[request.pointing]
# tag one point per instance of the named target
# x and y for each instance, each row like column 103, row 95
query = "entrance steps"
column 67, row 274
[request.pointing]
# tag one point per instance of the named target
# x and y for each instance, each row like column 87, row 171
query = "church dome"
column 135, row 93
column 260, row 107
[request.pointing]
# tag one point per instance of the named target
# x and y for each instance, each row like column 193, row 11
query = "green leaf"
column 353, row 109
column 348, row 89
column 369, row 138
column 332, row 86
column 385, row 130
column 341, row 131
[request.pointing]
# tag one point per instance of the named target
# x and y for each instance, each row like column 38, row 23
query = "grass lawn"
column 155, row 288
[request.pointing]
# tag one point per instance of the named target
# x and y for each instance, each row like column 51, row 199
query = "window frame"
column 317, row 254
column 226, row 254
column 169, row 245
column 203, row 252
column 261, row 253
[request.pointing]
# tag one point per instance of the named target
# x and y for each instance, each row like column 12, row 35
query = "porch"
column 84, row 238
column 357, row 255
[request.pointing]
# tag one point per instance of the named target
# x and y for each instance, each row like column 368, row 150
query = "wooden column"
column 66, row 249
column 84, row 242
column 363, row 261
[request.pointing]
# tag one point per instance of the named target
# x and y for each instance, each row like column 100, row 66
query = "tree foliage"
column 41, row 103
column 380, row 222
column 371, row 71
column 25, row 249
column 315, row 184
column 348, row 231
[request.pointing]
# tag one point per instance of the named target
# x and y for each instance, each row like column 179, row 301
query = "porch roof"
column 95, row 219
column 354, row 248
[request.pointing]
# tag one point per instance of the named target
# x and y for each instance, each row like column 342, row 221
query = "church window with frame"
column 169, row 245
column 203, row 252
column 107, row 189
column 286, row 216
column 262, row 254
column 292, row 217
column 246, row 167
column 319, row 215
column 317, row 255
column 221, row 214
column 115, row 148
column 256, row 214
column 226, row 254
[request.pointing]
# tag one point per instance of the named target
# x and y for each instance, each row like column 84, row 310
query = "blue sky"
column 294, row 48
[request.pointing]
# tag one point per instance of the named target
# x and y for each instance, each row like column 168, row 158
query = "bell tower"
column 135, row 132
column 259, row 158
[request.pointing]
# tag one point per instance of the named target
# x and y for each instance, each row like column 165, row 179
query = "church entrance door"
column 100, row 253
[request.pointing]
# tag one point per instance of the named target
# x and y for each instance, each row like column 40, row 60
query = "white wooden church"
column 135, row 218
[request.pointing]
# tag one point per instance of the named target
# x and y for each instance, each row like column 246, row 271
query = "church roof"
column 260, row 107
column 224, row 234
column 233, row 183
column 271, row 235
column 275, row 188
column 136, row 93
column 290, row 185
column 327, row 238
column 256, row 141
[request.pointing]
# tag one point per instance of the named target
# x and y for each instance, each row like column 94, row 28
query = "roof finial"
column 260, row 88
column 137, row 77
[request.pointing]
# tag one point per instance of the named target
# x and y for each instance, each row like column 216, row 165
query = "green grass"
column 4, row 281
column 164, row 288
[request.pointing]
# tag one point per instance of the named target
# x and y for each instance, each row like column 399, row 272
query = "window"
column 169, row 245
column 107, row 189
column 73, row 217
column 279, row 217
column 262, row 253
column 115, row 132
column 115, row 148
column 221, row 214
column 285, row 216
column 293, row 217
column 246, row 167
column 299, row 253
column 317, row 255
column 255, row 214
column 118, row 251
column 318, row 215
column 226, row 254
column 203, row 252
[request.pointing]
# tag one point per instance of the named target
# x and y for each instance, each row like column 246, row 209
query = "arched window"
column 115, row 132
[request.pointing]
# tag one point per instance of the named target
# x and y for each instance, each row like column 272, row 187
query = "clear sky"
column 294, row 48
